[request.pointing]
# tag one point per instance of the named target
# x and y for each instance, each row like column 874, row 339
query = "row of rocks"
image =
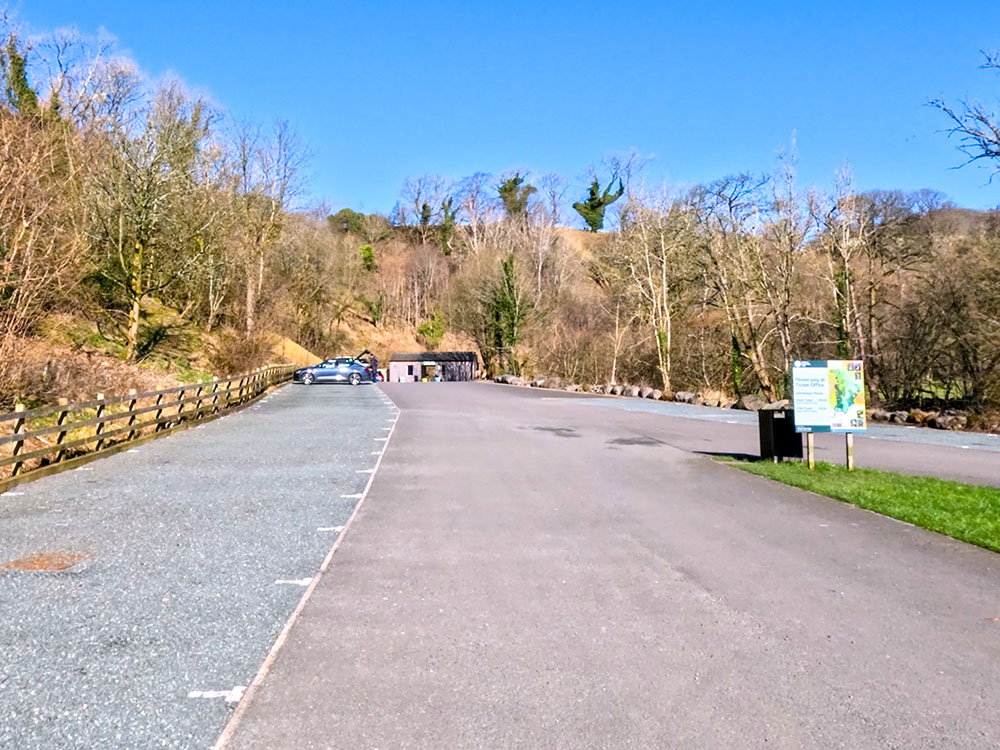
column 945, row 420
column 749, row 402
column 631, row 391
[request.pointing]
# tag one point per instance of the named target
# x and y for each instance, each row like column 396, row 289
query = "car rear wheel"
column 308, row 378
column 355, row 379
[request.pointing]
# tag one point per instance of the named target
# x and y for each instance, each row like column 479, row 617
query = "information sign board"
column 829, row 395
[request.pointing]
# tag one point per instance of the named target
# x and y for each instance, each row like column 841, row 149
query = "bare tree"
column 478, row 210
column 976, row 127
column 729, row 213
column 268, row 173
column 420, row 202
column 40, row 247
column 147, row 172
column 653, row 253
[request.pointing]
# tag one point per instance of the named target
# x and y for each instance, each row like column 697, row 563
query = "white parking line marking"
column 338, row 529
column 365, row 471
column 381, row 440
column 11, row 494
column 352, row 497
column 294, row 581
column 231, row 697
column 132, row 450
column 388, row 429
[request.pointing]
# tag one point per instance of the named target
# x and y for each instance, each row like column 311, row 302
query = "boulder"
column 645, row 391
column 880, row 415
column 594, row 388
column 698, row 400
column 948, row 422
column 684, row 397
column 899, row 417
column 750, row 402
column 919, row 416
column 940, row 422
column 775, row 405
column 632, row 391
column 572, row 388
column 554, row 382
column 616, row 390
column 655, row 394
column 538, row 382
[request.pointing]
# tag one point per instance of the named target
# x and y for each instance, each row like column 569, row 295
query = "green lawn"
column 963, row 511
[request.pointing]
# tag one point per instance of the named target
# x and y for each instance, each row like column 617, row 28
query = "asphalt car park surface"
column 960, row 456
column 195, row 550
column 529, row 571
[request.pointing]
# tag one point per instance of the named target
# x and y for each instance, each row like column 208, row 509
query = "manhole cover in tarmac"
column 49, row 561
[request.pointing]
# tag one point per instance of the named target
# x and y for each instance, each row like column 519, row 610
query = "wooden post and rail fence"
column 37, row 442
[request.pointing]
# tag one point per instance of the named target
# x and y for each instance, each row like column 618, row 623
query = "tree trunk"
column 135, row 311
column 757, row 360
column 251, row 301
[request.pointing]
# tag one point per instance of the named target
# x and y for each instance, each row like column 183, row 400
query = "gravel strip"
column 185, row 540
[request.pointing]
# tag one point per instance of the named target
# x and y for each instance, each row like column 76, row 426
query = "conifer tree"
column 20, row 96
column 592, row 209
column 514, row 194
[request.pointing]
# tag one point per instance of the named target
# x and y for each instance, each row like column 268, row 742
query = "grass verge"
column 963, row 511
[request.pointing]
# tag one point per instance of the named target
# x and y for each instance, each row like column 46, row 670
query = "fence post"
column 180, row 404
column 62, row 433
column 19, row 444
column 159, row 413
column 215, row 393
column 197, row 403
column 131, row 416
column 100, row 425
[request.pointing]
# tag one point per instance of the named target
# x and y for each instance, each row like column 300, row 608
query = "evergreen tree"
column 20, row 96
column 448, row 215
column 514, row 194
column 509, row 307
column 592, row 209
column 367, row 254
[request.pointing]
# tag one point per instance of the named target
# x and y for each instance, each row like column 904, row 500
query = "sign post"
column 829, row 396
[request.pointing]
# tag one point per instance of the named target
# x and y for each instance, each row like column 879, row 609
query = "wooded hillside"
column 141, row 215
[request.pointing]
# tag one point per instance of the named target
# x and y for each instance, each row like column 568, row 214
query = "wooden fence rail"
column 35, row 442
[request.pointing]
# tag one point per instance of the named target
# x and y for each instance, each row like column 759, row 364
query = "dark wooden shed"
column 407, row 367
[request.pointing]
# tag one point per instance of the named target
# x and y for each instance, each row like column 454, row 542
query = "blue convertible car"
column 340, row 370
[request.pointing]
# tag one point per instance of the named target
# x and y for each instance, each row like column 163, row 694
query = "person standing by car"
column 374, row 361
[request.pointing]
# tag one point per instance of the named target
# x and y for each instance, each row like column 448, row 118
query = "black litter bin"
column 778, row 438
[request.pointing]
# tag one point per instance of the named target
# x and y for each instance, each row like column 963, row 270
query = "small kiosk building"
column 410, row 367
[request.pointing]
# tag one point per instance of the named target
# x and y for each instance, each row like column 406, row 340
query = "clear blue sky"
column 384, row 90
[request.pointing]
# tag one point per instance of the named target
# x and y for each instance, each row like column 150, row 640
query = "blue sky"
column 384, row 90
